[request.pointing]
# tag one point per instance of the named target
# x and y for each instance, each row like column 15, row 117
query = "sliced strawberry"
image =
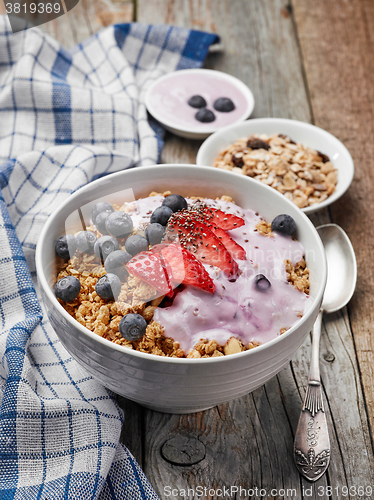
column 195, row 236
column 148, row 267
column 156, row 249
column 186, row 269
column 236, row 251
column 221, row 219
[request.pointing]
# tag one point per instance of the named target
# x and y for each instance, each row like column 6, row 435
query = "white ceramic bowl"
column 175, row 89
column 169, row 384
column 301, row 132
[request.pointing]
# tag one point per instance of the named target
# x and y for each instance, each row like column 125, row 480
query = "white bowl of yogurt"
column 185, row 385
column 167, row 100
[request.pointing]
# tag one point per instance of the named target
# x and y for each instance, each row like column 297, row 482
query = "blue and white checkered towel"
column 66, row 118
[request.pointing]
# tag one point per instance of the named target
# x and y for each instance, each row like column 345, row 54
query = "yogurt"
column 237, row 308
column 169, row 99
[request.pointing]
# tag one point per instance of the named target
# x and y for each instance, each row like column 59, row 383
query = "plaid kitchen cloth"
column 67, row 118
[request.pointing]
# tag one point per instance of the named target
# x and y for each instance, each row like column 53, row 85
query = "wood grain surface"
column 339, row 64
column 87, row 18
column 249, row 441
column 311, row 61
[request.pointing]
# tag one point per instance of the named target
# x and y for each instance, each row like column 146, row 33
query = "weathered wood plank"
column 337, row 45
column 352, row 456
column 249, row 31
column 87, row 18
column 249, row 441
column 132, row 430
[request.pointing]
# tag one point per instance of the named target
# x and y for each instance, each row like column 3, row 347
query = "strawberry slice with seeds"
column 205, row 214
column 186, row 269
column 193, row 234
column 236, row 251
column 221, row 219
column 156, row 250
column 148, row 267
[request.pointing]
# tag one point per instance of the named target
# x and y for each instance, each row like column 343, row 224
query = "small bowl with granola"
column 308, row 165
column 180, row 287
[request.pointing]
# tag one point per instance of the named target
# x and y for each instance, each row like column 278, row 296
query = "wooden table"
column 311, row 61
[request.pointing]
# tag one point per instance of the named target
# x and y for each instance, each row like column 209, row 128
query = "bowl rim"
column 348, row 172
column 198, row 130
column 43, row 283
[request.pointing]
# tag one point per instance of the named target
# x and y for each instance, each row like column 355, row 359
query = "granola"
column 303, row 175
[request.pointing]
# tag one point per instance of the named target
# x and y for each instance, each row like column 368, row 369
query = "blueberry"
column 176, row 202
column 284, row 224
column 115, row 263
column 132, row 326
column 101, row 206
column 68, row 288
column 154, row 233
column 205, row 115
column 119, row 224
column 86, row 241
column 196, row 101
column 136, row 244
column 104, row 246
column 108, row 286
column 262, row 283
column 223, row 104
column 100, row 222
column 161, row 215
column 66, row 246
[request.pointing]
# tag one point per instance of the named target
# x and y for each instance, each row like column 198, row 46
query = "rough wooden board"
column 87, row 18
column 347, row 112
column 350, row 421
column 248, row 442
column 352, row 456
column 258, row 47
column 132, row 429
column 178, row 150
column 338, row 45
column 258, row 451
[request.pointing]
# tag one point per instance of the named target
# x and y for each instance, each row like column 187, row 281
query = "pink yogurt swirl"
column 237, row 308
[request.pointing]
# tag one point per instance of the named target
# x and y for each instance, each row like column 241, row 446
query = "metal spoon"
column 312, row 443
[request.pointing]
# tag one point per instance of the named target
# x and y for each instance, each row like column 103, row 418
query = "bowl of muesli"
column 305, row 163
column 180, row 287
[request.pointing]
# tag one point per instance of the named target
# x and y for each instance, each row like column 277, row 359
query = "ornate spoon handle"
column 312, row 443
